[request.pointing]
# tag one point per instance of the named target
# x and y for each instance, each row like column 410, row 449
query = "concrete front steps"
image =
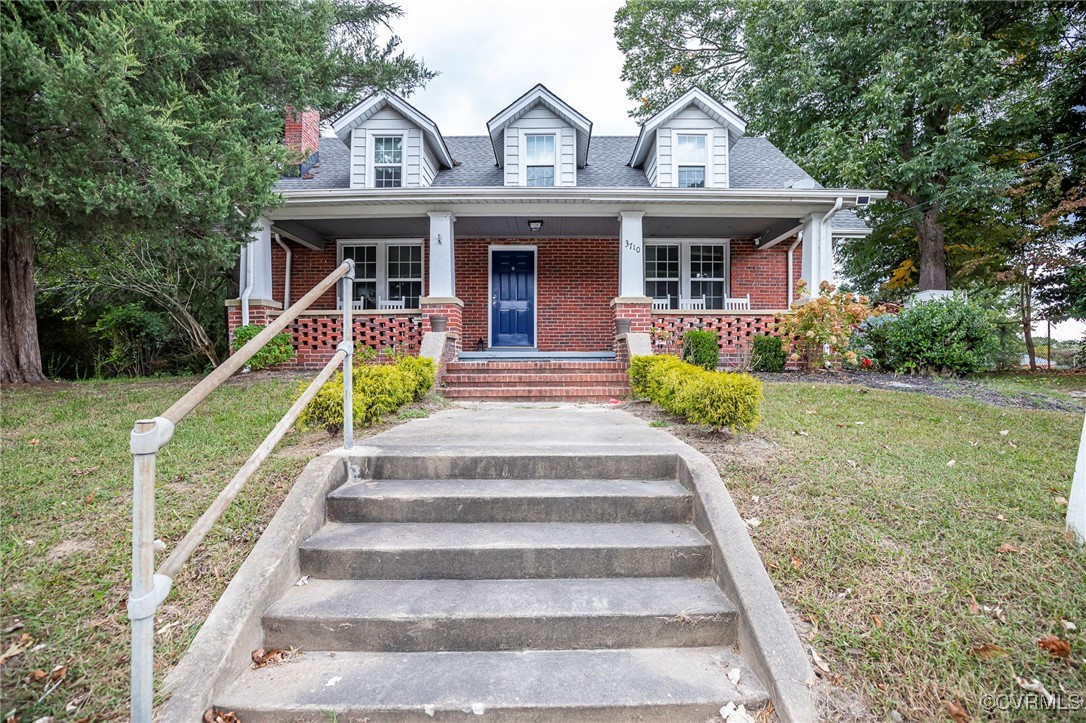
column 535, row 380
column 468, row 598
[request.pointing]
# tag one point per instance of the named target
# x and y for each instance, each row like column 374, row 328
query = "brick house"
column 544, row 248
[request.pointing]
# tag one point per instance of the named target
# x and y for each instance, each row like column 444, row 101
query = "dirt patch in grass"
column 907, row 532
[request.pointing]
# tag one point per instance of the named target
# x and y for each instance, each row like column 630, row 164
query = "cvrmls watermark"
column 1033, row 701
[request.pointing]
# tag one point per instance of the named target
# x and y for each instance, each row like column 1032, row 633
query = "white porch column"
column 442, row 265
column 817, row 253
column 631, row 258
column 259, row 250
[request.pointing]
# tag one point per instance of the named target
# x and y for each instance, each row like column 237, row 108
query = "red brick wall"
column 763, row 274
column 577, row 278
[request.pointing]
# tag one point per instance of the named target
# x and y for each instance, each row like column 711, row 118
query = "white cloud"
column 489, row 53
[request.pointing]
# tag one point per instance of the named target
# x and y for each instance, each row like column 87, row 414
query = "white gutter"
column 791, row 266
column 829, row 216
column 286, row 280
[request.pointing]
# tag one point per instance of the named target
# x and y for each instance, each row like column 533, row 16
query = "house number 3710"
column 633, row 247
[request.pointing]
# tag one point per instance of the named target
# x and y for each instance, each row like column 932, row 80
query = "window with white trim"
column 687, row 269
column 387, row 161
column 691, row 159
column 539, row 159
column 385, row 271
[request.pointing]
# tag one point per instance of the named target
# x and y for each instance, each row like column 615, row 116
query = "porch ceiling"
column 553, row 227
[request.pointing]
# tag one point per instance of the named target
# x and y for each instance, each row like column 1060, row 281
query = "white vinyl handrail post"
column 347, row 345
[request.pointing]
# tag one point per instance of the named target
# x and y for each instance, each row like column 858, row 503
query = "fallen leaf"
column 1006, row 547
column 303, row 580
column 73, row 459
column 988, row 651
column 82, row 472
column 733, row 675
column 90, row 498
column 17, row 625
column 213, row 715
column 1056, row 647
column 34, row 442
column 801, row 433
column 1068, row 625
column 755, row 498
column 753, row 521
column 16, row 648
column 877, row 621
column 1001, row 518
column 1061, row 501
column 957, row 712
column 851, row 462
column 796, row 562
column 1035, row 686
column 58, row 672
column 810, row 411
column 820, row 664
column 973, row 607
column 36, row 676
column 951, row 463
column 859, row 423
column 262, row 657
column 1004, row 432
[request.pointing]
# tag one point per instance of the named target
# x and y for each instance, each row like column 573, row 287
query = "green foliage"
column 278, row 350
column 702, row 348
column 818, row 330
column 136, row 338
column 718, row 399
column 767, row 354
column 379, row 389
column 943, row 336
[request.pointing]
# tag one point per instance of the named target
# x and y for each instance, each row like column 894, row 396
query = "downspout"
column 286, row 272
column 791, row 266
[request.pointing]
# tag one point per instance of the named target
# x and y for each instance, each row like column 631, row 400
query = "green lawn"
column 1054, row 384
column 66, row 486
column 882, row 516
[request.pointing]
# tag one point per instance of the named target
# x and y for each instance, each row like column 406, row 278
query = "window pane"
column 539, row 150
column 690, row 148
column 662, row 290
column 366, row 291
column 540, row 175
column 409, row 291
column 691, row 176
column 707, row 262
column 713, row 291
column 405, row 262
column 365, row 261
column 388, row 149
column 386, row 177
column 662, row 262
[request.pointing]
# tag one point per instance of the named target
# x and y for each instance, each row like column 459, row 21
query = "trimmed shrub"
column 718, row 399
column 767, row 354
column 940, row 336
column 278, row 350
column 702, row 348
column 379, row 389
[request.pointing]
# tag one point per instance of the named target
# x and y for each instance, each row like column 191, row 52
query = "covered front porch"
column 544, row 279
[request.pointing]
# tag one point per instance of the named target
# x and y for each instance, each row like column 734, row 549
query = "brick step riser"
column 541, row 393
column 515, row 381
column 535, row 367
column 413, row 635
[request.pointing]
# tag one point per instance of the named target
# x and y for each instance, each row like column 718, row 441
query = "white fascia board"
column 343, row 125
column 496, row 126
column 695, row 96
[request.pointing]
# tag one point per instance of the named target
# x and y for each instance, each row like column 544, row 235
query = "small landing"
column 533, row 355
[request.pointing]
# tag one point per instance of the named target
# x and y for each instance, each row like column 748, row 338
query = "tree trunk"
column 20, row 357
column 1027, row 325
column 932, row 238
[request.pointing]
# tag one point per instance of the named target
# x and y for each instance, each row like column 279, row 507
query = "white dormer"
column 686, row 145
column 392, row 144
column 539, row 140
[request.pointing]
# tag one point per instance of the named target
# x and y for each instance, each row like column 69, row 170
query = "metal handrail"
column 150, row 588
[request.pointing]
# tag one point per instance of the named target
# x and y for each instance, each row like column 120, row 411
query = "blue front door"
column 512, row 298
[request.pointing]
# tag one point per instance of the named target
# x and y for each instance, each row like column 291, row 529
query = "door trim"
column 490, row 291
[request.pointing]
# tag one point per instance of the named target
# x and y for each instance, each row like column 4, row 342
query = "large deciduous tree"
column 162, row 120
column 920, row 98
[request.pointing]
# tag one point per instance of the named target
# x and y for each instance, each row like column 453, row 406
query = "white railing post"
column 347, row 345
column 148, row 589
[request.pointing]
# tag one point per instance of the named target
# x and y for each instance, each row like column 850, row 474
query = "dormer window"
column 539, row 159
column 387, row 161
column 691, row 159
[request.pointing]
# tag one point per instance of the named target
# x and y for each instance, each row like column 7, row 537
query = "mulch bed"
column 945, row 387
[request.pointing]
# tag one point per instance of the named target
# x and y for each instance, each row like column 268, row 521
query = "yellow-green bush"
column 378, row 390
column 719, row 399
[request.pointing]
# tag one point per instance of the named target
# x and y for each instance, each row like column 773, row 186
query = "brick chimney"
column 302, row 137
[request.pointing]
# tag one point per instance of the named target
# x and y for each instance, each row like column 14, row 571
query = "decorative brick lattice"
column 735, row 332
column 316, row 337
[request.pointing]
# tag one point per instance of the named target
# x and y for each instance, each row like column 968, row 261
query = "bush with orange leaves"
column 818, row 329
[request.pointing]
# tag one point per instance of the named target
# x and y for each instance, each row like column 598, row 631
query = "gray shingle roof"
column 755, row 163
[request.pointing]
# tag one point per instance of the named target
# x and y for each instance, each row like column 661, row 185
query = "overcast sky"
column 489, row 53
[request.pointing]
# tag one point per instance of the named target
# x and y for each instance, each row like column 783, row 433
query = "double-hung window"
column 691, row 159
column 387, row 161
column 539, row 159
column 687, row 269
column 385, row 271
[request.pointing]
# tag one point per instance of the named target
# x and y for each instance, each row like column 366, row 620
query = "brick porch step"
column 558, row 380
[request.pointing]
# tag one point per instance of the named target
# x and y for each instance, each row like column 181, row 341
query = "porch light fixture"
column 535, row 226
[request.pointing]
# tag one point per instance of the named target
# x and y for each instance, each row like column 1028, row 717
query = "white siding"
column 650, row 165
column 389, row 121
column 429, row 166
column 541, row 119
column 692, row 119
